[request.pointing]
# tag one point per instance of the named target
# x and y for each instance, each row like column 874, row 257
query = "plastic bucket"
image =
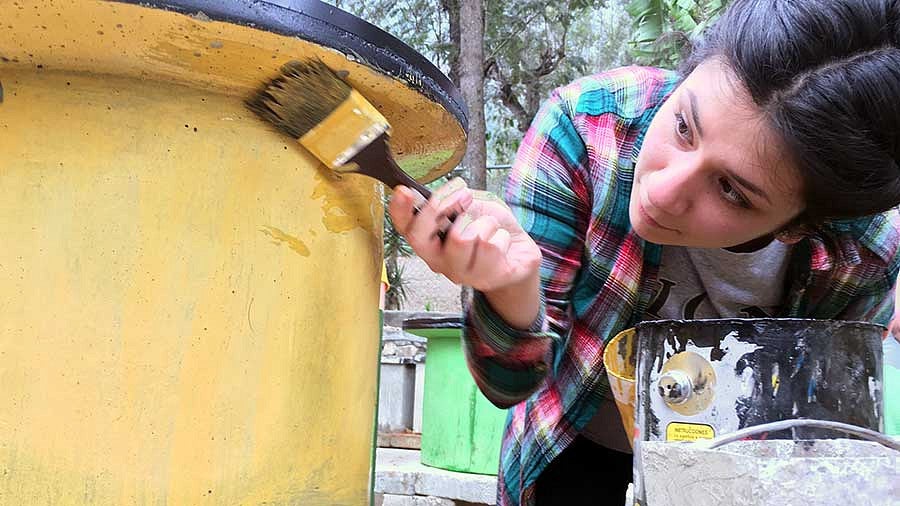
column 619, row 360
column 461, row 430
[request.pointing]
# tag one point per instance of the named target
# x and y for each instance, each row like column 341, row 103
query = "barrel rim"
column 815, row 322
column 329, row 26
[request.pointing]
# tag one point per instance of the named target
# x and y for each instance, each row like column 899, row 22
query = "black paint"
column 331, row 27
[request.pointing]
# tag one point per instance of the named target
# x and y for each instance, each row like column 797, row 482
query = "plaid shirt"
column 569, row 188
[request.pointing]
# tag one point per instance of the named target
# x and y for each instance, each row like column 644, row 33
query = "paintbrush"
column 333, row 121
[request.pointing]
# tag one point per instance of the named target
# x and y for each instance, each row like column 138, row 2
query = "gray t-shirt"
column 699, row 283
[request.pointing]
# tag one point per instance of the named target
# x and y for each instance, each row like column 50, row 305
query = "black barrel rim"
column 759, row 321
column 447, row 322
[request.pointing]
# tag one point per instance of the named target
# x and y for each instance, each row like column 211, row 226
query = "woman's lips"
column 649, row 219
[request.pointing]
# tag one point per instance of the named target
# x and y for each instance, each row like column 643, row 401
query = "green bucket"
column 892, row 386
column 892, row 400
column 461, row 429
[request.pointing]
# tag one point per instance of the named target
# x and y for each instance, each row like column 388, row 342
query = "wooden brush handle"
column 401, row 177
column 375, row 160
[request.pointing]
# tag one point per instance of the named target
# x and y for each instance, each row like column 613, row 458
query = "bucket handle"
column 868, row 434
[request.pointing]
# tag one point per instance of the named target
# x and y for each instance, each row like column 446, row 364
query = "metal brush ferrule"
column 352, row 126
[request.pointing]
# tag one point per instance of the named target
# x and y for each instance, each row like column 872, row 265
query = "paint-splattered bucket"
column 812, row 472
column 698, row 379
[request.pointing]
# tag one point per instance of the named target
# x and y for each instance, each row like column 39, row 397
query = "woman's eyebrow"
column 748, row 185
column 694, row 115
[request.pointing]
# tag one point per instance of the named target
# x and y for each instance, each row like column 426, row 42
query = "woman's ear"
column 793, row 234
column 795, row 230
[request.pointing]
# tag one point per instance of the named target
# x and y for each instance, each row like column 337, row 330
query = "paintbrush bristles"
column 300, row 98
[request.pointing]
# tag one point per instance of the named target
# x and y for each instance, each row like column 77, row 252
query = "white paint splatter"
column 732, row 385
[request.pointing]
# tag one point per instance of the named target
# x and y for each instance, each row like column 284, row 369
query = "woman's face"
column 711, row 172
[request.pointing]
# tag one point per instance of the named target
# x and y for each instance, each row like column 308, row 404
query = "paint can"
column 699, row 379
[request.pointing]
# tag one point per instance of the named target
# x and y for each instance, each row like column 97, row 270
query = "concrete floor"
column 402, row 480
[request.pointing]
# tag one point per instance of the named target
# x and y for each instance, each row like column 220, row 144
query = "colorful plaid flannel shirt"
column 569, row 188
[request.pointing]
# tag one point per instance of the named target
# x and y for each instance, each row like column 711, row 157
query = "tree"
column 470, row 66
column 532, row 46
column 535, row 46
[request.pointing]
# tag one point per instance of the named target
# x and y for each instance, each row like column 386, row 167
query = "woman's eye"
column 732, row 195
column 681, row 127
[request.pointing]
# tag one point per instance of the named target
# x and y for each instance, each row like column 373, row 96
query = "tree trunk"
column 452, row 8
column 471, row 83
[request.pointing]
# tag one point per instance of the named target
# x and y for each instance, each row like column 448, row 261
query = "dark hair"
column 826, row 75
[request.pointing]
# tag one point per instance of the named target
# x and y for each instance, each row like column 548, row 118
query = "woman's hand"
column 485, row 247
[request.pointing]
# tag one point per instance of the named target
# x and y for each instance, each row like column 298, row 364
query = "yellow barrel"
column 189, row 300
column 619, row 357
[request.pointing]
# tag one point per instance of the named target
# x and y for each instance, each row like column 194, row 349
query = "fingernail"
column 418, row 201
column 444, row 229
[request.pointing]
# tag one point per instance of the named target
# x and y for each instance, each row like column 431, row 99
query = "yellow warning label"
column 677, row 431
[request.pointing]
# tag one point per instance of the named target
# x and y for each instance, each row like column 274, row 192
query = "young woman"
column 756, row 181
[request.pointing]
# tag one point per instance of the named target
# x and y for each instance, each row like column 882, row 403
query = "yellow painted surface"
column 188, row 300
column 182, row 321
column 113, row 38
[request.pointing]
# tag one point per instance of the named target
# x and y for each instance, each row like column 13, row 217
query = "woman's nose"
column 672, row 189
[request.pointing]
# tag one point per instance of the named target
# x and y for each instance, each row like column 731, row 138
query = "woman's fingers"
column 501, row 241
column 403, row 207
column 474, row 249
column 469, row 240
column 425, row 224
column 452, row 199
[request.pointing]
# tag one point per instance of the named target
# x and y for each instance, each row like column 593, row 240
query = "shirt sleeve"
column 548, row 192
column 874, row 272
column 877, row 306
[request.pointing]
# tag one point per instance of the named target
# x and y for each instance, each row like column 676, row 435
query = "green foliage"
column 531, row 47
column 395, row 248
column 394, row 243
column 421, row 24
column 663, row 29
